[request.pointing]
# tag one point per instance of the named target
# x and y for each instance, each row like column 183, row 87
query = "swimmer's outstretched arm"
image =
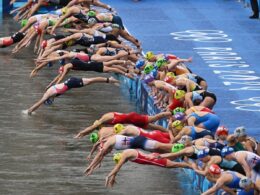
column 35, row 8
column 66, row 39
column 46, row 95
column 174, row 63
column 48, row 51
column 94, row 148
column 62, row 18
column 98, row 158
column 111, row 178
column 157, row 127
column 51, row 59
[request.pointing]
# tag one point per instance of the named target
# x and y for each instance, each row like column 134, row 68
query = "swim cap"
column 51, row 22
column 179, row 116
column 185, row 138
column 139, row 64
column 169, row 79
column 48, row 102
column 244, row 182
column 196, row 96
column 117, row 157
column 177, row 147
column 214, row 169
column 226, row 151
column 203, row 153
column 92, row 21
column 67, row 25
column 160, row 62
column 64, row 10
column 179, row 94
column 93, row 137
column 178, row 125
column 148, row 68
column 154, row 73
column 148, row 78
column 240, row 131
column 178, row 109
column 91, row 13
column 222, row 130
column 44, row 44
column 149, row 55
column 170, row 74
column 24, row 22
column 118, row 128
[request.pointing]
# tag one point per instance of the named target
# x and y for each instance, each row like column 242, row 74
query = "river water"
column 38, row 153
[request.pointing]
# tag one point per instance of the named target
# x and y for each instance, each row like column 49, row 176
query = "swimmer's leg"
column 104, row 119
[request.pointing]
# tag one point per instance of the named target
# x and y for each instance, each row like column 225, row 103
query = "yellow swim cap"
column 117, row 157
column 64, row 10
column 170, row 74
column 178, row 125
column 179, row 94
column 149, row 55
column 118, row 128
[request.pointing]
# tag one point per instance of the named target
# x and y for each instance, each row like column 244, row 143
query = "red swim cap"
column 214, row 169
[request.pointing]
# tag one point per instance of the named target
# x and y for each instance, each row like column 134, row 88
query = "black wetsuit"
column 87, row 66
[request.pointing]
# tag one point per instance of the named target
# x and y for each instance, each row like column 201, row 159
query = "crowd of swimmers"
column 88, row 35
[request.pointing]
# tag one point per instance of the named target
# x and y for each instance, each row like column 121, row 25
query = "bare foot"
column 114, row 81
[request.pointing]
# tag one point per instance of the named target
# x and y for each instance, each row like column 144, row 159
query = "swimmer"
column 200, row 98
column 249, row 161
column 228, row 179
column 70, row 83
column 120, row 142
column 249, row 143
column 203, row 156
column 179, row 129
column 204, row 120
column 112, row 118
column 139, row 157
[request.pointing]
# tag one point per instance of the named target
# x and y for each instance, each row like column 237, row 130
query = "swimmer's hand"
column 110, row 181
column 189, row 59
column 79, row 135
column 88, row 171
column 33, row 73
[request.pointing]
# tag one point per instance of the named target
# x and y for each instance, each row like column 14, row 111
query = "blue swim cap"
column 154, row 73
column 226, row 151
column 196, row 96
column 139, row 64
column 48, row 102
column 203, row 153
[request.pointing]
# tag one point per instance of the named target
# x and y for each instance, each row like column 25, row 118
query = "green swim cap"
column 148, row 68
column 93, row 137
column 51, row 22
column 160, row 62
column 177, row 147
column 24, row 22
column 91, row 13
column 178, row 109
